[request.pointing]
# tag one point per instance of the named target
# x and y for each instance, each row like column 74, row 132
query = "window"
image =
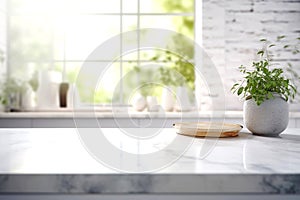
column 2, row 37
column 60, row 34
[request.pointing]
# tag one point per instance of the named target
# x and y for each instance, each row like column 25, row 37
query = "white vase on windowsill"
column 152, row 104
column 183, row 103
column 47, row 92
column 138, row 102
column 167, row 99
column 28, row 98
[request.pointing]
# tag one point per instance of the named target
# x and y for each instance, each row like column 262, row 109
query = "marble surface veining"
column 55, row 161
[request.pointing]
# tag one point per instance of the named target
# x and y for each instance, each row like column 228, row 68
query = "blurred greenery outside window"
column 60, row 34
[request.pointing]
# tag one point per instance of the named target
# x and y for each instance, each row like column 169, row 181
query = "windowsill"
column 133, row 114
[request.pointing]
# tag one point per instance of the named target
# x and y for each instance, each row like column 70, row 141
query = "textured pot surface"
column 270, row 118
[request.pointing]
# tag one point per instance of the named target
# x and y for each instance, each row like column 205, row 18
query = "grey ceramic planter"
column 268, row 119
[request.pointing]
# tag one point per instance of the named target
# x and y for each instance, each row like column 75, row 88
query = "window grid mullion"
column 138, row 39
column 121, row 50
column 64, row 52
column 7, row 26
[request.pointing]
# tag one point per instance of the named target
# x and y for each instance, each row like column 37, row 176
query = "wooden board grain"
column 207, row 129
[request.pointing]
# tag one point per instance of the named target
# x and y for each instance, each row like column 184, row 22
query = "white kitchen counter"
column 64, row 118
column 66, row 113
column 55, row 161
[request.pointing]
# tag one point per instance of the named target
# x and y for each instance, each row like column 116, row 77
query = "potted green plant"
column 266, row 90
column 11, row 92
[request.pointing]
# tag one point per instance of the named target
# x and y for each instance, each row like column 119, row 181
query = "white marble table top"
column 58, row 154
column 67, row 113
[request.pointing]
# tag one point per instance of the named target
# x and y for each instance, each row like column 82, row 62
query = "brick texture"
column 231, row 33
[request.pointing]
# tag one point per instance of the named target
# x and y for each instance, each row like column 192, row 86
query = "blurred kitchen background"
column 49, row 40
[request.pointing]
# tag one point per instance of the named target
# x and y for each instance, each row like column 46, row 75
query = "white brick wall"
column 232, row 30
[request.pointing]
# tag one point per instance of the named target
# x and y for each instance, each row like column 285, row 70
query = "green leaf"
column 263, row 40
column 260, row 52
column 266, row 63
column 137, row 69
column 270, row 95
column 271, row 45
column 294, row 88
column 235, row 84
column 286, row 46
column 258, row 102
column 280, row 37
column 240, row 90
column 296, row 51
column 286, row 97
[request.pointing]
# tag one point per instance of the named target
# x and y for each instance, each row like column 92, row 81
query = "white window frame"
column 196, row 14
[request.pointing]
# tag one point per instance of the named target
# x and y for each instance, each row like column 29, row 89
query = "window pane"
column 2, row 5
column 178, row 43
column 130, row 80
column 108, row 87
column 2, row 29
column 30, row 39
column 130, row 41
column 169, row 6
column 154, row 55
column 137, row 78
column 85, row 33
column 178, row 24
column 90, row 93
column 130, row 6
column 182, row 69
column 146, row 79
column 181, row 24
column 93, row 6
column 63, row 7
column 59, row 38
column 41, row 7
column 72, row 70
